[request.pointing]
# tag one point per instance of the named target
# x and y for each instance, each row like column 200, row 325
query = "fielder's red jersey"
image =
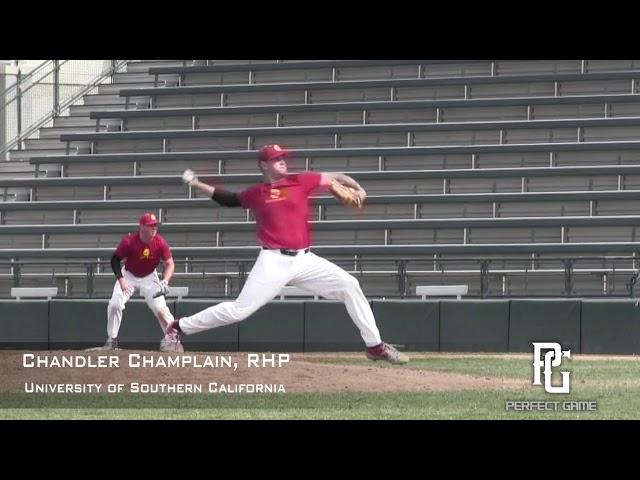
column 143, row 258
column 282, row 210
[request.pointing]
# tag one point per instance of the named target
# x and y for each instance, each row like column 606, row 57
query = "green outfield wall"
column 609, row 326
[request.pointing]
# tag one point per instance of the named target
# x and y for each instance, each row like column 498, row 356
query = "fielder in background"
column 142, row 252
column 281, row 208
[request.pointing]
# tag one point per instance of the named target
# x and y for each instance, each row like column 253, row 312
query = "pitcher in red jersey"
column 281, row 207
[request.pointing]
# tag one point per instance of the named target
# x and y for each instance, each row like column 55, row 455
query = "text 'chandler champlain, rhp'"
column 137, row 360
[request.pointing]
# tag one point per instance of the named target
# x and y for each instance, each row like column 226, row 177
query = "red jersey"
column 282, row 210
column 143, row 258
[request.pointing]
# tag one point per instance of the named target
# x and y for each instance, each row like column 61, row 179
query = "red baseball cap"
column 149, row 219
column 269, row 153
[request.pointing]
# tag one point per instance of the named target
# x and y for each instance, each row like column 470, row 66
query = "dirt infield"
column 305, row 372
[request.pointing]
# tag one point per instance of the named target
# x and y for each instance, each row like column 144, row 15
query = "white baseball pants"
column 272, row 271
column 148, row 287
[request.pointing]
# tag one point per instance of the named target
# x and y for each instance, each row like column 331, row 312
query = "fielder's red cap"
column 149, row 219
column 269, row 153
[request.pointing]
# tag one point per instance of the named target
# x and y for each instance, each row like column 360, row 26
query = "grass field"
column 613, row 382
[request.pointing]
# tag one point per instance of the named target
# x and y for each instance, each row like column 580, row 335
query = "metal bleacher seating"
column 520, row 164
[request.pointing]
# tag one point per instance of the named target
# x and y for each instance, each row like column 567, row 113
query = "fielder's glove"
column 346, row 195
column 189, row 177
column 164, row 287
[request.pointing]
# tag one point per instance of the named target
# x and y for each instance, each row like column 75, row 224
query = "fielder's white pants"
column 148, row 287
column 271, row 272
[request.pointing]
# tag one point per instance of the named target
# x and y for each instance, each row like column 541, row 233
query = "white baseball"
column 188, row 176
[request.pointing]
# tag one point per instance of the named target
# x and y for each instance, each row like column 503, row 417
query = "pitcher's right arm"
column 223, row 197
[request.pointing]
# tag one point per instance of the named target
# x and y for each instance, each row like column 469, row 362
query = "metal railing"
column 619, row 274
column 35, row 99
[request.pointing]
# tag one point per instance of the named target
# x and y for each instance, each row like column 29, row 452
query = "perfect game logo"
column 552, row 358
column 548, row 356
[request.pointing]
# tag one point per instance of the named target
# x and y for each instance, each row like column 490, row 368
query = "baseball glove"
column 346, row 195
column 164, row 289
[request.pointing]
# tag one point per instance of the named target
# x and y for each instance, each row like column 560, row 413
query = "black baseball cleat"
column 171, row 341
